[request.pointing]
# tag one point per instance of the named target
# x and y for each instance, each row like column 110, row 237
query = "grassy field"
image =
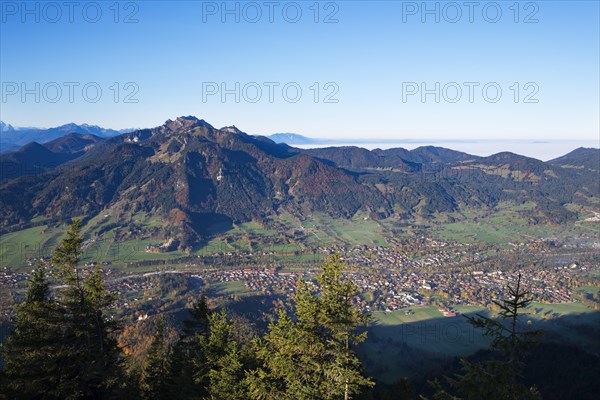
column 214, row 246
column 256, row 228
column 231, row 288
column 427, row 329
column 285, row 235
column 358, row 230
column 571, row 322
column 589, row 289
column 504, row 224
column 17, row 247
column 99, row 245
column 398, row 343
column 543, row 310
column 320, row 230
column 574, row 311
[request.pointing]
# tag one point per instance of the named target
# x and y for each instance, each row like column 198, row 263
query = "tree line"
column 64, row 346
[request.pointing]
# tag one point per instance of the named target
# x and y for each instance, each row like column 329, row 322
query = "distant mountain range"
column 294, row 139
column 11, row 138
column 35, row 158
column 195, row 177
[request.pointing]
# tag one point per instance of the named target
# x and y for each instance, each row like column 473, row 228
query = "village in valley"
column 397, row 277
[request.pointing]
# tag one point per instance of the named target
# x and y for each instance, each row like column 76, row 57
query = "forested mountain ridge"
column 191, row 174
column 194, row 175
column 34, row 158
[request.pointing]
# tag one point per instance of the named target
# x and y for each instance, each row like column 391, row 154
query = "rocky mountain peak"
column 185, row 122
column 231, row 129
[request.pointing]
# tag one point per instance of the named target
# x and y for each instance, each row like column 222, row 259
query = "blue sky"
column 175, row 58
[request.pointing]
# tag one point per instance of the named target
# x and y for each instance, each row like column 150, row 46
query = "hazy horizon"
column 540, row 149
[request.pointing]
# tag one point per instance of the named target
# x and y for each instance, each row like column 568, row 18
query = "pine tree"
column 89, row 355
column 65, row 345
column 340, row 319
column 28, row 372
column 198, row 324
column 188, row 353
column 221, row 369
column 498, row 378
column 155, row 383
column 509, row 339
column 293, row 362
column 311, row 358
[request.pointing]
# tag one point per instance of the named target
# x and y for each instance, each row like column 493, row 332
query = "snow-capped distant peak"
column 5, row 128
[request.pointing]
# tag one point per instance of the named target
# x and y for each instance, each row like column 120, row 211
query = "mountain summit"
column 182, row 123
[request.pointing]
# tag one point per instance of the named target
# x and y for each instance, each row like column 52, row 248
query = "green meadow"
column 398, row 342
column 116, row 237
column 230, row 288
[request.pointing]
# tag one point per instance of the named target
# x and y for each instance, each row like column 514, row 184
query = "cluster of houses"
column 388, row 278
